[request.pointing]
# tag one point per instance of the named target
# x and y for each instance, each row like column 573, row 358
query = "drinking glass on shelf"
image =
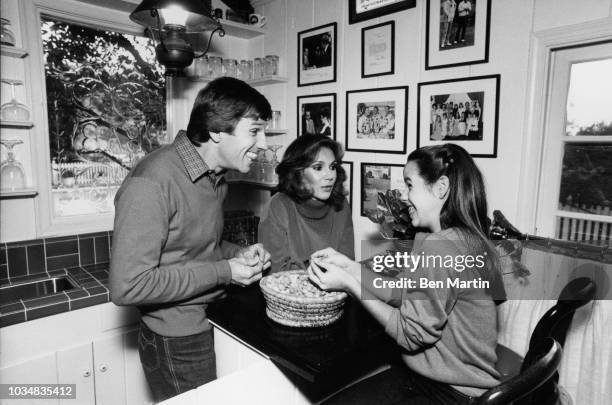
column 14, row 110
column 230, row 66
column 271, row 65
column 12, row 174
column 202, row 67
column 215, row 66
column 257, row 68
column 271, row 176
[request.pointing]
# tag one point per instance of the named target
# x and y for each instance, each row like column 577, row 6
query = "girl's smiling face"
column 424, row 201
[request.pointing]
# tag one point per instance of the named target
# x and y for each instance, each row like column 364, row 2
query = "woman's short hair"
column 221, row 105
column 299, row 155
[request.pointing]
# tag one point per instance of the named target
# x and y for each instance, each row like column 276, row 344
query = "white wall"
column 512, row 23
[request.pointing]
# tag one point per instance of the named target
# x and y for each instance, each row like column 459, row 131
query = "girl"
column 310, row 212
column 447, row 333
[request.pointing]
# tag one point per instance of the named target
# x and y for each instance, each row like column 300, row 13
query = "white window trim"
column 47, row 223
column 536, row 108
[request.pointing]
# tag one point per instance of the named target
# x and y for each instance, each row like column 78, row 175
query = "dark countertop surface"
column 318, row 360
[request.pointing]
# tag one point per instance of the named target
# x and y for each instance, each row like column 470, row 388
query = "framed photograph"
column 317, row 55
column 316, row 114
column 361, row 10
column 378, row 50
column 457, row 33
column 378, row 178
column 348, row 183
column 461, row 111
column 376, row 120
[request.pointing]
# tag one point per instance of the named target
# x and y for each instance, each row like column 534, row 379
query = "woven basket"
column 290, row 308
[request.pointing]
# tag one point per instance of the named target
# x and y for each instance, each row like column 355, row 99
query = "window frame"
column 555, row 138
column 533, row 170
column 47, row 224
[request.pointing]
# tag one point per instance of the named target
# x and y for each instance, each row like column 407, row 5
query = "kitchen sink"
column 36, row 288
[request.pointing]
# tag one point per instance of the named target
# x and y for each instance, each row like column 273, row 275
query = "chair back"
column 557, row 320
column 515, row 390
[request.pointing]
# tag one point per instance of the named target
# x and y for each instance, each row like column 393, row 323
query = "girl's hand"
column 327, row 275
column 329, row 255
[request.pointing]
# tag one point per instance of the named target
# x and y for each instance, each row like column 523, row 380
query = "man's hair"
column 221, row 104
column 299, row 155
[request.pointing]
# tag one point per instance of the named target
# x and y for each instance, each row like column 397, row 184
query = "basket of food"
column 293, row 300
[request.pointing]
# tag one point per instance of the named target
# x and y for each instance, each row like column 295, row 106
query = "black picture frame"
column 474, row 48
column 383, row 8
column 363, row 106
column 349, row 181
column 478, row 136
column 318, row 102
column 369, row 189
column 380, row 48
column 313, row 66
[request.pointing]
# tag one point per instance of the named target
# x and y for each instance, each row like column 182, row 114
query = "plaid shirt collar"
column 195, row 166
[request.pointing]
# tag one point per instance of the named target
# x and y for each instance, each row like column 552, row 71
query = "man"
column 326, row 50
column 168, row 258
column 308, row 124
column 463, row 14
column 448, row 15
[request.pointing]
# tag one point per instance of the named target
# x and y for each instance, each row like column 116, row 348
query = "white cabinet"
column 74, row 366
column 95, row 349
column 35, row 371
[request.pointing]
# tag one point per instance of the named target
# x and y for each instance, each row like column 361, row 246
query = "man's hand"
column 245, row 271
column 248, row 264
column 257, row 250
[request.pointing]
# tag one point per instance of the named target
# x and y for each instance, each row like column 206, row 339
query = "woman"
column 448, row 333
column 310, row 211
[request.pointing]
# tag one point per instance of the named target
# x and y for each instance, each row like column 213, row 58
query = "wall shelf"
column 270, row 131
column 17, row 124
column 13, row 52
column 264, row 81
column 22, row 193
column 239, row 30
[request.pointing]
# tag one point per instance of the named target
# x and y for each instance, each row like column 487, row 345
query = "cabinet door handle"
column 103, row 368
column 86, row 373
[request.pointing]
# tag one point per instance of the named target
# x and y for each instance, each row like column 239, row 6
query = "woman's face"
column 321, row 175
column 424, row 206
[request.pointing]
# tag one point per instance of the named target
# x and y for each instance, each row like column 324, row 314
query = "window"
column 106, row 108
column 576, row 182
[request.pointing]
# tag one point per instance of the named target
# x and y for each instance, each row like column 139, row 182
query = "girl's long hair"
column 466, row 206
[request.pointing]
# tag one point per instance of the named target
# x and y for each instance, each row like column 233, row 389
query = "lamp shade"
column 194, row 15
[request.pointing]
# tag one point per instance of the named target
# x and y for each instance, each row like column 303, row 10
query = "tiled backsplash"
column 23, row 258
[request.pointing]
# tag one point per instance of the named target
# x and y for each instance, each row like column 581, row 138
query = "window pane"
column 589, row 99
column 586, row 180
column 106, row 103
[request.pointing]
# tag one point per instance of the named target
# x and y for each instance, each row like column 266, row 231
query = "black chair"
column 554, row 324
column 548, row 353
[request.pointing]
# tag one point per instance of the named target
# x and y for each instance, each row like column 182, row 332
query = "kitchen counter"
column 318, row 361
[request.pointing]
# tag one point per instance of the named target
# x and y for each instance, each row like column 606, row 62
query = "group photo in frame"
column 378, row 178
column 376, row 120
column 348, row 183
column 462, row 111
column 361, row 10
column 316, row 114
column 316, row 58
column 378, row 50
column 457, row 33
